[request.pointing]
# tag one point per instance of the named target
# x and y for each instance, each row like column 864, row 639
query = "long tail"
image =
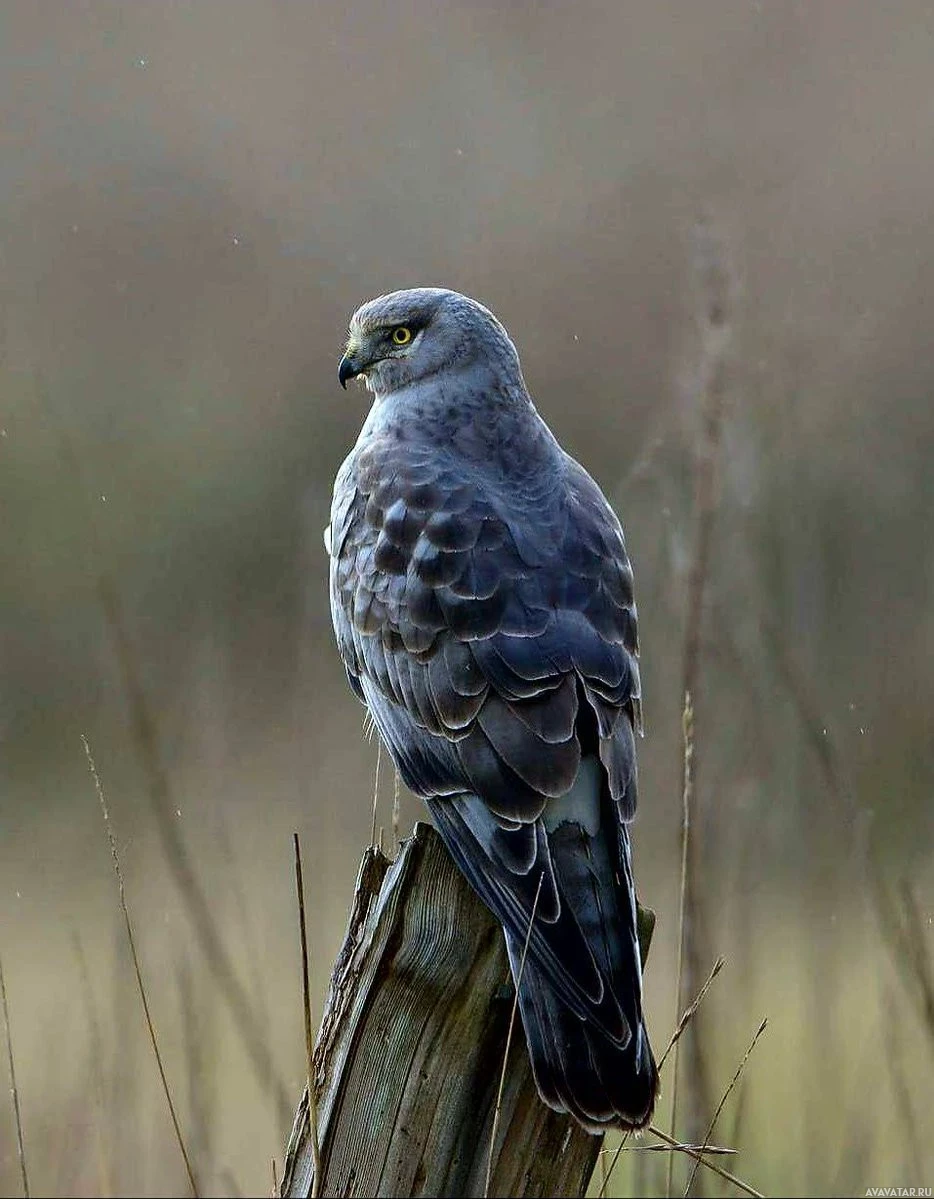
column 580, row 994
column 599, row 1078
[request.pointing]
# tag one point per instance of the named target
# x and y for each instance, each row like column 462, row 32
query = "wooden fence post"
column 410, row 1052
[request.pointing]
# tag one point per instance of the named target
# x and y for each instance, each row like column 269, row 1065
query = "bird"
column 482, row 602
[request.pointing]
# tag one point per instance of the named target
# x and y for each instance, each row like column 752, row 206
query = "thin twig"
column 726, row 1094
column 275, row 1181
column 512, row 1021
column 609, row 1173
column 687, row 787
column 14, row 1093
column 309, row 1040
column 379, row 754
column 717, row 1150
column 691, row 1152
column 685, row 1020
column 688, row 1014
column 715, row 286
column 136, row 966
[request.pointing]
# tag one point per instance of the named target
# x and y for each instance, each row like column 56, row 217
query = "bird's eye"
column 401, row 335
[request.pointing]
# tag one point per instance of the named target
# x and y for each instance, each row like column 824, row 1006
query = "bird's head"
column 407, row 336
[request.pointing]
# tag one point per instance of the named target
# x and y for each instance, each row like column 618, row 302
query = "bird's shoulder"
column 427, row 544
column 468, row 613
column 421, row 542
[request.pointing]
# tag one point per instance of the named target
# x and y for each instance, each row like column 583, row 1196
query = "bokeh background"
column 193, row 199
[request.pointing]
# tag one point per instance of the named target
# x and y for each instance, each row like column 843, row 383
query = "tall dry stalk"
column 687, row 788
column 306, row 1013
column 138, row 970
column 720, row 1106
column 715, row 292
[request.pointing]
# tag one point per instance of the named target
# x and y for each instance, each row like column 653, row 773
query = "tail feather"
column 601, row 1070
column 580, row 986
column 577, row 1068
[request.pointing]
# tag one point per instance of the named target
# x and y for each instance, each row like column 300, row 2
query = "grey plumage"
column 483, row 606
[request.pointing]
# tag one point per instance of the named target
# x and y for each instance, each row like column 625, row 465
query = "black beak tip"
column 345, row 371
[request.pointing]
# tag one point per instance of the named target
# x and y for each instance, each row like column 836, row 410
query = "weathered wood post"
column 410, row 1052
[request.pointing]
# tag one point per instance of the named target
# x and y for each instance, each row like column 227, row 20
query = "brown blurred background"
column 193, row 199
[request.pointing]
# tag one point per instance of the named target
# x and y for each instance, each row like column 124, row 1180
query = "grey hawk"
column 482, row 602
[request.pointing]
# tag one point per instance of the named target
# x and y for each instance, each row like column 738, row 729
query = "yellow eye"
column 401, row 336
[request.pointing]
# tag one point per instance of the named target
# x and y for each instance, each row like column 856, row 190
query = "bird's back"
column 482, row 600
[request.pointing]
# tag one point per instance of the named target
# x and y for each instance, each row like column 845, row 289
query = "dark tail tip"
column 579, row 1069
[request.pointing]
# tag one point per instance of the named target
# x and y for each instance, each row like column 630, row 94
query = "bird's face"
column 407, row 336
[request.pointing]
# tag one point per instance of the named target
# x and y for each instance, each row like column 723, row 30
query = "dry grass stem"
column 379, row 754
column 675, row 1036
column 678, row 1147
column 687, row 725
column 136, row 967
column 716, row 1150
column 715, row 289
column 512, row 1023
column 14, row 1092
column 609, row 1173
column 689, row 1012
column 726, row 1094
column 309, row 1039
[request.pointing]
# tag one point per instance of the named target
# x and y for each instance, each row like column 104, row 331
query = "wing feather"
column 492, row 633
column 476, row 616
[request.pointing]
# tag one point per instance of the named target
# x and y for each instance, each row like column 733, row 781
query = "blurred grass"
column 193, row 200
column 821, row 1116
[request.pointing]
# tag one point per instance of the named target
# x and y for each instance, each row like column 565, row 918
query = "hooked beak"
column 349, row 368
